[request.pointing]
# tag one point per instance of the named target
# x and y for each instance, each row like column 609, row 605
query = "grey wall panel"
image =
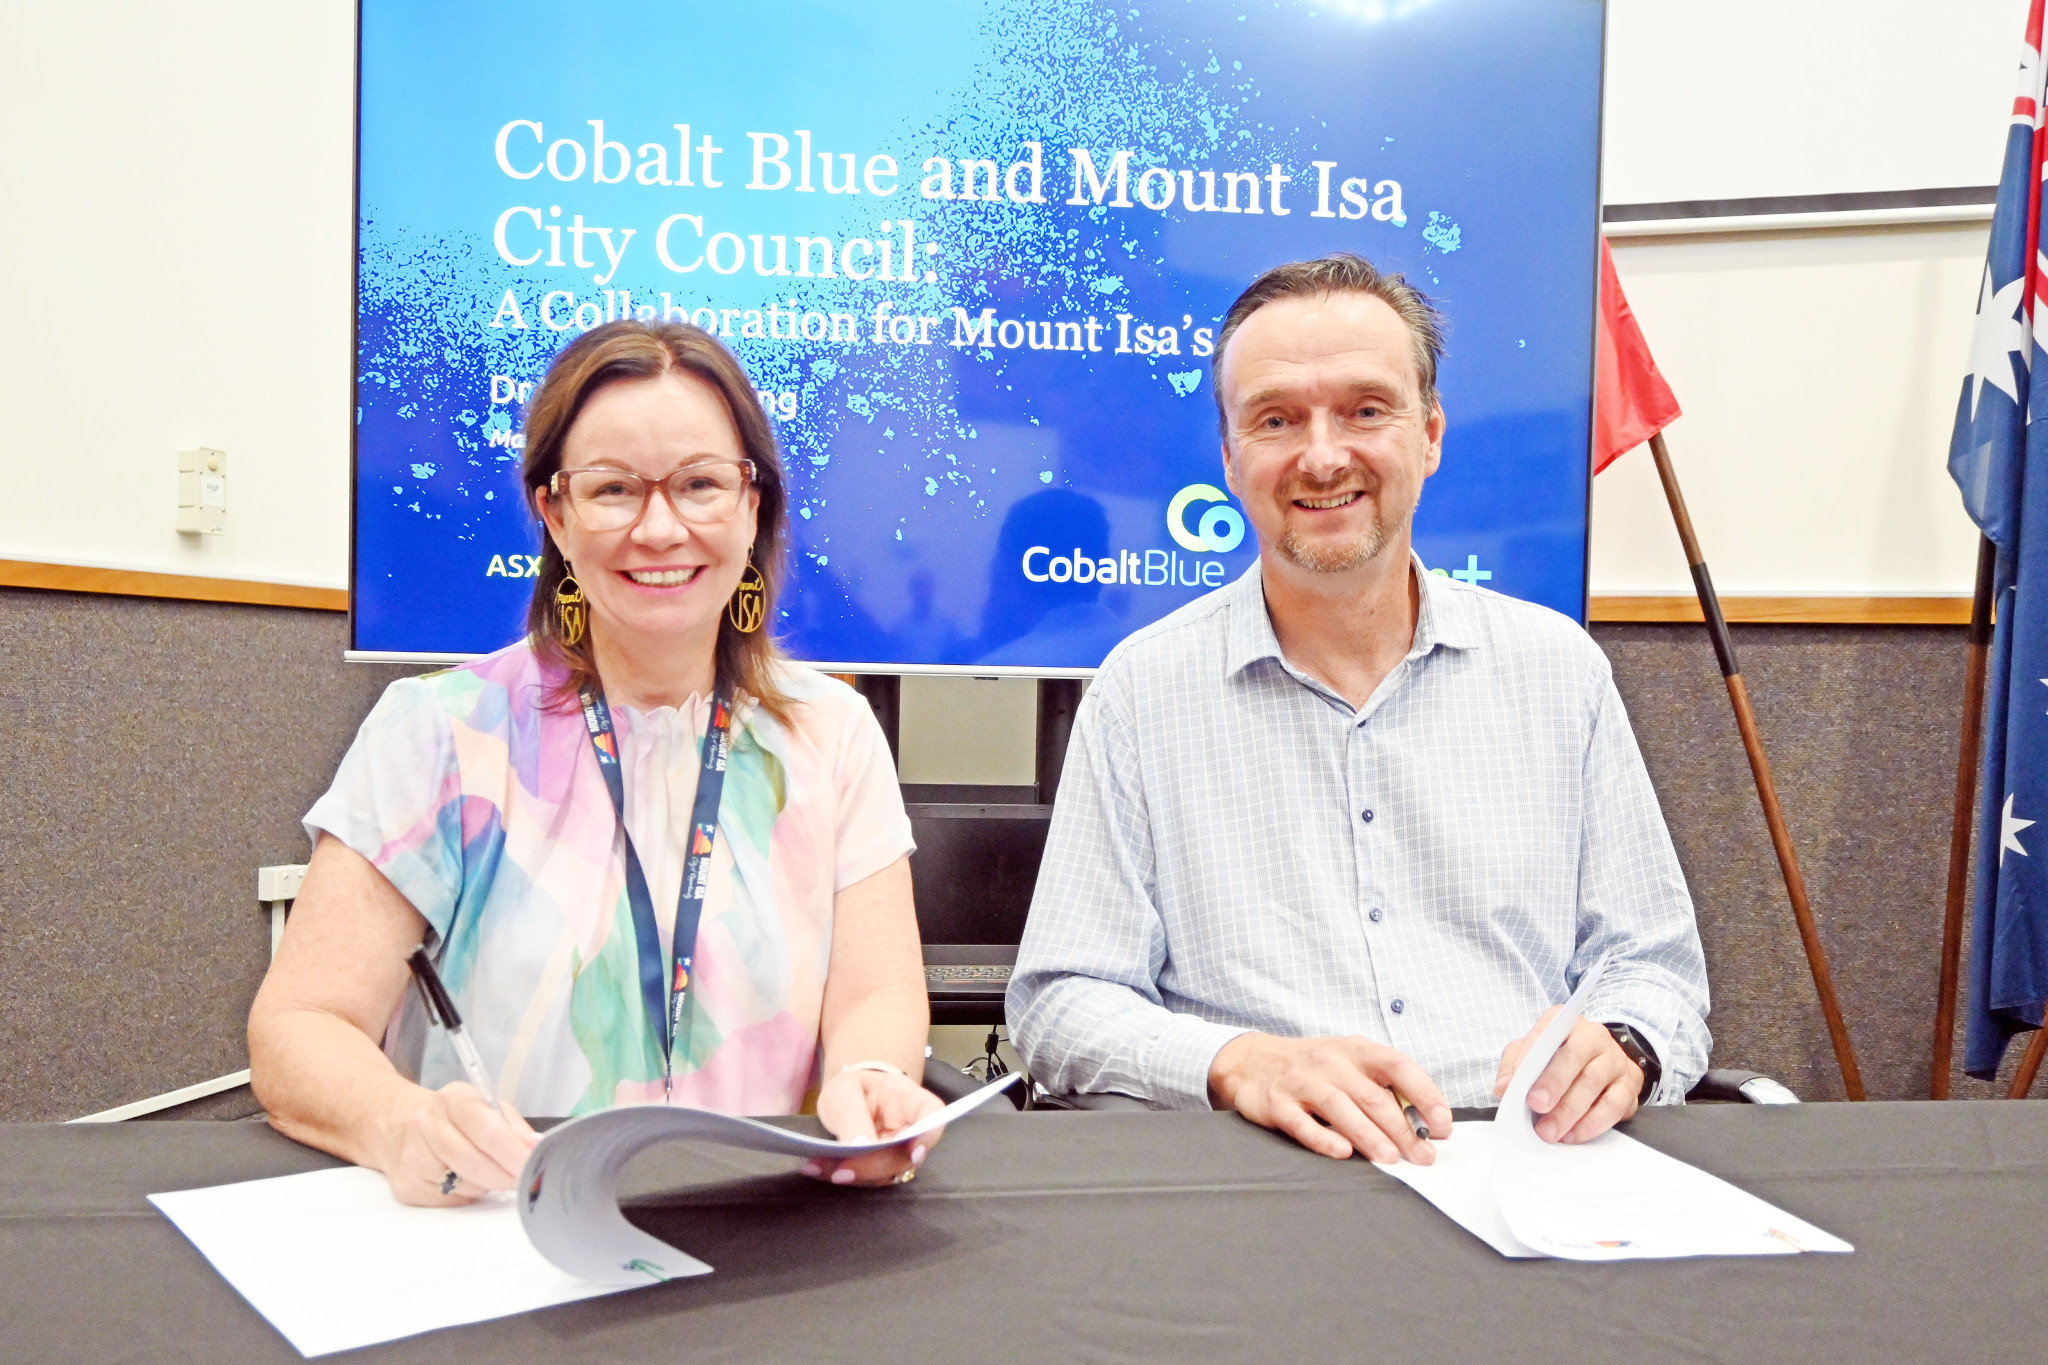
column 1860, row 723
column 154, row 754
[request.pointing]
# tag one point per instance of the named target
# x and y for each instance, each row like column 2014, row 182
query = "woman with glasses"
column 654, row 861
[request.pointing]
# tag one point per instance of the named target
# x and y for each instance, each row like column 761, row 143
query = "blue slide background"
column 920, row 473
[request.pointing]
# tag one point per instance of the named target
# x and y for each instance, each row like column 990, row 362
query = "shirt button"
column 1374, row 914
column 1366, row 816
column 1398, row 1005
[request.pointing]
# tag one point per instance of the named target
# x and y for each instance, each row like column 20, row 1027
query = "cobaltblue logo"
column 1219, row 530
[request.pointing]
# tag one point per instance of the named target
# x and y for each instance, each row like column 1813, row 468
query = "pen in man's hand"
column 1412, row 1115
column 441, row 1010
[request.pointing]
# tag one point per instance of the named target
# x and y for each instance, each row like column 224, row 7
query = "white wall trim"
column 1913, row 216
column 168, row 1100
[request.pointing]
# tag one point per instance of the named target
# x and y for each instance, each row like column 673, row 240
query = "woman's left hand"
column 860, row 1106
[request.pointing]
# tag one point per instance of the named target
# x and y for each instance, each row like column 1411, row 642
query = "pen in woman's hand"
column 441, row 1010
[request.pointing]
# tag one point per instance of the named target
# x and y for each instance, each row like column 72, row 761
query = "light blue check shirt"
column 1235, row 848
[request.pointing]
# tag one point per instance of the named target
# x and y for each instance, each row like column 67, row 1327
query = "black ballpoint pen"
column 441, row 1010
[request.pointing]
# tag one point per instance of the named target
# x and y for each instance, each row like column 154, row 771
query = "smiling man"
column 1344, row 829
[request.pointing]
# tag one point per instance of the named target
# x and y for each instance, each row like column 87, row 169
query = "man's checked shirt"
column 1235, row 848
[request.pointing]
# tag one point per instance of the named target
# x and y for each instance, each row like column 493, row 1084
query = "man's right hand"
column 1289, row 1084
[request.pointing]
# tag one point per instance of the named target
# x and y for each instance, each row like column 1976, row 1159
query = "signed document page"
column 1461, row 1183
column 1611, row 1199
column 333, row 1262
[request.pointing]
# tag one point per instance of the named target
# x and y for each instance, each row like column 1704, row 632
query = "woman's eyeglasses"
column 613, row 499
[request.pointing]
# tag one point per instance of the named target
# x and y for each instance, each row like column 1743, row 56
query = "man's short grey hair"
column 1340, row 272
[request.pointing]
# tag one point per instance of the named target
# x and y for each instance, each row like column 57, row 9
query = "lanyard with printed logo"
column 663, row 992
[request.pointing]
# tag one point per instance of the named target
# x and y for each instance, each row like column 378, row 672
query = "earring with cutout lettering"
column 748, row 606
column 571, row 609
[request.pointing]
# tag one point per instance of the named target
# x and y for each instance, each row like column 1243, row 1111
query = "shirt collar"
column 1444, row 619
column 1448, row 616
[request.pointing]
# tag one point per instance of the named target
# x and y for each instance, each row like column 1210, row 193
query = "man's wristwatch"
column 1638, row 1050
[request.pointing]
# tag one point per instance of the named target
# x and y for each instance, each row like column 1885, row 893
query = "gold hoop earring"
column 571, row 610
column 748, row 605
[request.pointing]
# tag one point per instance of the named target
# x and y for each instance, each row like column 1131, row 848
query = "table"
column 1124, row 1237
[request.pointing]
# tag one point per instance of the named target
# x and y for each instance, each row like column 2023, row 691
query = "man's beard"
column 1342, row 556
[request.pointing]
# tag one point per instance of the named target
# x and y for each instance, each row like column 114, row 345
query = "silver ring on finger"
column 449, row 1180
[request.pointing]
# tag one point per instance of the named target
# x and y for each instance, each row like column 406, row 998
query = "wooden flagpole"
column 1961, row 831
column 2030, row 1065
column 1962, row 826
column 1760, row 769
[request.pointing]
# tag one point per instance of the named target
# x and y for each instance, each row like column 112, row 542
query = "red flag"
column 1632, row 402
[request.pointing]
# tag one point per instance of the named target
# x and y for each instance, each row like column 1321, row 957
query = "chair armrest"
column 950, row 1083
column 1108, row 1100
column 1729, row 1086
column 947, row 1081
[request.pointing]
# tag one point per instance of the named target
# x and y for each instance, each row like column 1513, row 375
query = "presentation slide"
column 974, row 255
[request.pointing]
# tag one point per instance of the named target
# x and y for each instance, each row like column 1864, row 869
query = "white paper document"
column 1611, row 1199
column 568, row 1194
column 333, row 1262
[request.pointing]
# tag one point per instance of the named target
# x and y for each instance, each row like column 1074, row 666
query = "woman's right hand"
column 452, row 1129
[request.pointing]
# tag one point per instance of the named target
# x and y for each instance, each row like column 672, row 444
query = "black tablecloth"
column 1122, row 1237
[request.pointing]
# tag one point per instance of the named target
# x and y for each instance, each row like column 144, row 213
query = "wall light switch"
column 203, row 491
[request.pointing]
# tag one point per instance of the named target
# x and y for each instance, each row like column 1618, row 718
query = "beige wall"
column 175, row 265
column 1745, row 98
column 1819, row 373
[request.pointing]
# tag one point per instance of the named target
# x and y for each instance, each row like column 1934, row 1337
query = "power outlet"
column 203, row 492
column 275, row 886
column 280, row 883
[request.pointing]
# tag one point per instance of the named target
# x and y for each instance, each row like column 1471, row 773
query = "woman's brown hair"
column 630, row 350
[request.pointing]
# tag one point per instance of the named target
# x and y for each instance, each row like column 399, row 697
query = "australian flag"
column 2004, row 480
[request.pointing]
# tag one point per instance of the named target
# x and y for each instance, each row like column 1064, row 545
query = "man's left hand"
column 1589, row 1086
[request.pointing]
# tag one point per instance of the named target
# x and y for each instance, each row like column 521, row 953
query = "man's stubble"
column 1343, row 556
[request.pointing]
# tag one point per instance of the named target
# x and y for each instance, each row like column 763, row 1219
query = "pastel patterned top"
column 488, row 812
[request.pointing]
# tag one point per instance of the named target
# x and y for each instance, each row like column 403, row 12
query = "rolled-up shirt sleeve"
column 1633, row 905
column 397, row 800
column 1084, row 1005
column 873, row 828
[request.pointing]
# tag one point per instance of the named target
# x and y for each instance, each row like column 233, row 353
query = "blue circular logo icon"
column 1221, row 528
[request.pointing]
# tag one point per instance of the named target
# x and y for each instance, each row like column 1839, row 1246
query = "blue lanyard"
column 663, row 993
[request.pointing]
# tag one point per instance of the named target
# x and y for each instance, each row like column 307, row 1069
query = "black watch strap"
column 1638, row 1050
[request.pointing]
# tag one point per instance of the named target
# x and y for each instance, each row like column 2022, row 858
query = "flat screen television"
column 974, row 255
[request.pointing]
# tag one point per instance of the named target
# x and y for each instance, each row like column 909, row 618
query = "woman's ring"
column 449, row 1181
column 904, row 1177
